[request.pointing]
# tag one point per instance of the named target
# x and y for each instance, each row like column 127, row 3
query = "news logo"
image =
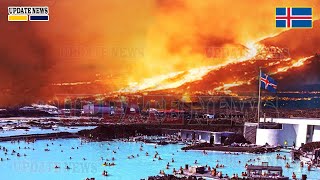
column 28, row 13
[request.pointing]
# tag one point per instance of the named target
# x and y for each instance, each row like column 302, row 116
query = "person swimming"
column 68, row 167
column 174, row 171
column 105, row 173
column 294, row 175
column 287, row 165
column 301, row 164
column 56, row 167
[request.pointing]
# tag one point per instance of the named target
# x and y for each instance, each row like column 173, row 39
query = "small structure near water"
column 198, row 135
column 265, row 172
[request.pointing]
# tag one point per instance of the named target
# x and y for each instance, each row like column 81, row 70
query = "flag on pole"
column 268, row 83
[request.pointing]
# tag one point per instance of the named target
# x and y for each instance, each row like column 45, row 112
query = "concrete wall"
column 301, row 131
column 204, row 136
column 217, row 138
column 300, row 126
column 279, row 136
column 250, row 132
column 316, row 134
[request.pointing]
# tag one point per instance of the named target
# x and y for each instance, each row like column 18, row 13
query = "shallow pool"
column 37, row 130
column 39, row 164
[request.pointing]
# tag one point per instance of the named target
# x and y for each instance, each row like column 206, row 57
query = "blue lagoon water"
column 37, row 130
column 39, row 164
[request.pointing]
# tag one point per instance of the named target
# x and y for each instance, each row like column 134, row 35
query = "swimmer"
column 56, row 167
column 294, row 175
column 309, row 167
column 301, row 164
column 105, row 173
column 287, row 165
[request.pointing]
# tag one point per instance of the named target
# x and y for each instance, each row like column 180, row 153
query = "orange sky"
column 124, row 39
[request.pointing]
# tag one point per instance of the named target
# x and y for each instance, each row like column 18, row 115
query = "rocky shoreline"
column 63, row 135
column 247, row 149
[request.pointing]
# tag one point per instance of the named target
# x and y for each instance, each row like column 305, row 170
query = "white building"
column 203, row 136
column 290, row 130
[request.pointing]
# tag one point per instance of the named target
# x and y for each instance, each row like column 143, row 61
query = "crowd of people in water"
column 214, row 171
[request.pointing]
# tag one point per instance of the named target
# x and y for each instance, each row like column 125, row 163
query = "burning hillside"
column 239, row 75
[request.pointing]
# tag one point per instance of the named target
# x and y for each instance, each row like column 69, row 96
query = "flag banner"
column 297, row 17
column 268, row 83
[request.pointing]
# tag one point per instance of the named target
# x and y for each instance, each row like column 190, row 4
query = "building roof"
column 308, row 121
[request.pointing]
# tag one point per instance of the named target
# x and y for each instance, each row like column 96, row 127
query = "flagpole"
column 259, row 94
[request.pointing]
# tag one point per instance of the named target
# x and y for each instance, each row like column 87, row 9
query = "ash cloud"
column 25, row 64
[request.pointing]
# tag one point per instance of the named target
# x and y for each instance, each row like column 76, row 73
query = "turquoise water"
column 39, row 164
column 37, row 130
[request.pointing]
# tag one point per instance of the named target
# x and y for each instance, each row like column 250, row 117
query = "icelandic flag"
column 268, row 83
column 297, row 17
